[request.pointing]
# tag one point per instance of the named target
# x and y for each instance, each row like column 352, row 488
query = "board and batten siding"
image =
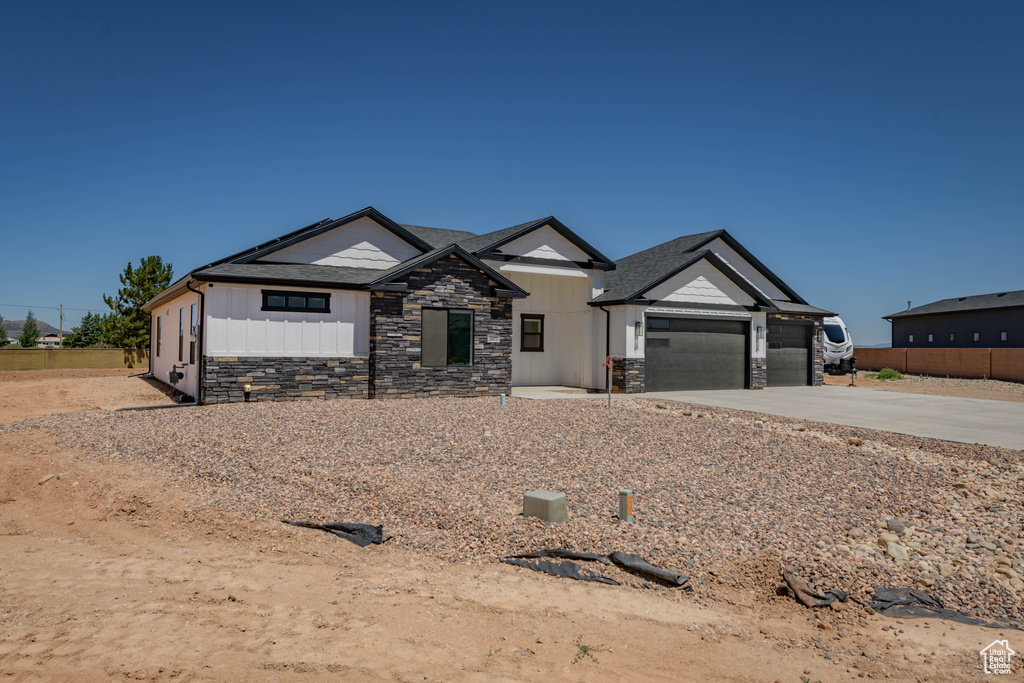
column 569, row 351
column 237, row 325
column 363, row 243
column 170, row 313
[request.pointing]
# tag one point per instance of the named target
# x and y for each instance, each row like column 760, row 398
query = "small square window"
column 276, row 301
column 977, row 336
column 952, row 337
column 1003, row 336
column 910, row 339
column 531, row 337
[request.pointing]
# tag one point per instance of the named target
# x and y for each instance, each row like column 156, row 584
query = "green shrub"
column 889, row 373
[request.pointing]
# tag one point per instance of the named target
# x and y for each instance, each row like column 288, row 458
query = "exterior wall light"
column 760, row 334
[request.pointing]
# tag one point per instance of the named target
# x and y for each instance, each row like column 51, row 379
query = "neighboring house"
column 364, row 307
column 48, row 341
column 982, row 321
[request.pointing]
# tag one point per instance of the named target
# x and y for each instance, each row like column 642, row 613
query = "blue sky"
column 869, row 153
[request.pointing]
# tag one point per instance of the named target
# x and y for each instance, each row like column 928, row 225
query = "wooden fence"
column 59, row 359
column 1005, row 364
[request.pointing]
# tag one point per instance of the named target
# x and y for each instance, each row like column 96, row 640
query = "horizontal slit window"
column 304, row 302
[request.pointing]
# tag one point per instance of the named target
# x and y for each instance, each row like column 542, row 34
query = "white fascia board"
column 543, row 270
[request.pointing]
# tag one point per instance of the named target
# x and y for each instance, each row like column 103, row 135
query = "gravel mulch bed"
column 713, row 488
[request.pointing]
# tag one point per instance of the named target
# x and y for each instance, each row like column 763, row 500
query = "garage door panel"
column 696, row 354
column 789, row 355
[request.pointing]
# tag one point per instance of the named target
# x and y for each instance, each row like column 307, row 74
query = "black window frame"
column 523, row 317
column 304, row 308
column 159, row 334
column 447, row 342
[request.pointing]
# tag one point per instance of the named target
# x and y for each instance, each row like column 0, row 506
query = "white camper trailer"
column 838, row 345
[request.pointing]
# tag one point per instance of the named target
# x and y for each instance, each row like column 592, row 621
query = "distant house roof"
column 978, row 302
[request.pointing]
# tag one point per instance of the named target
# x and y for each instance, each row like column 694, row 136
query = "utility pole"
column 60, row 337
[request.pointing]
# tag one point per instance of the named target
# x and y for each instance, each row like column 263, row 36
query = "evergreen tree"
column 29, row 338
column 88, row 333
column 127, row 326
column 4, row 341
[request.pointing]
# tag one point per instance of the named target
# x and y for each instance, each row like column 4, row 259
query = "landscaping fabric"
column 913, row 603
column 631, row 563
column 360, row 534
column 567, row 569
column 809, row 597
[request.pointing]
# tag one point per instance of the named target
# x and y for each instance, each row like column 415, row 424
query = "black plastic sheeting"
column 360, row 534
column 912, row 603
column 807, row 596
column 569, row 569
column 638, row 565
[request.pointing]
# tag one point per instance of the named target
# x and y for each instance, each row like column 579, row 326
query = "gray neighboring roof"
column 790, row 307
column 282, row 273
column 978, row 302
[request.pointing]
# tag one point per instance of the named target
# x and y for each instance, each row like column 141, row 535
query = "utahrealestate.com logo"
column 996, row 657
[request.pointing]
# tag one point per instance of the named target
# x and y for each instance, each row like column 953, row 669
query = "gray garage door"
column 696, row 354
column 789, row 355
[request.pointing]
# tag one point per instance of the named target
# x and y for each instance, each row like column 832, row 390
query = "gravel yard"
column 713, row 488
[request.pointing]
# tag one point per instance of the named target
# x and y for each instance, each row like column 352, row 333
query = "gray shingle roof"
column 965, row 303
column 790, row 307
column 487, row 239
column 440, row 237
column 299, row 273
column 633, row 273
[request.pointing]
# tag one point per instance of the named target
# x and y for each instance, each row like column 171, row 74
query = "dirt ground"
column 109, row 573
column 992, row 390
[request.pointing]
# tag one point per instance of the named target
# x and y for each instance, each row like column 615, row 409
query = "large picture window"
column 531, row 332
column 306, row 302
column 447, row 337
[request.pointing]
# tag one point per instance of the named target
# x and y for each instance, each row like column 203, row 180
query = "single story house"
column 362, row 306
column 48, row 341
column 980, row 321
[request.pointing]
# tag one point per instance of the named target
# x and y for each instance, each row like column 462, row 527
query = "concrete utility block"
column 549, row 506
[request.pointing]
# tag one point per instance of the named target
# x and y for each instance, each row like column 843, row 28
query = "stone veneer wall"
column 628, row 376
column 758, row 373
column 817, row 347
column 396, row 325
column 284, row 379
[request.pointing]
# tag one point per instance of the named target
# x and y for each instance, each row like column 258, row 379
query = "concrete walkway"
column 967, row 420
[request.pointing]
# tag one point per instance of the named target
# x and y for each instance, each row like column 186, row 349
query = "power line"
column 54, row 308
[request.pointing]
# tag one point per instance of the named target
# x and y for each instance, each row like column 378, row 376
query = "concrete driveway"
column 968, row 420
